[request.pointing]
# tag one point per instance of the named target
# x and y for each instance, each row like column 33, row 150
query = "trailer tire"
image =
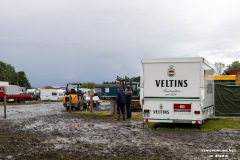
column 22, row 100
column 1, row 99
column 67, row 108
column 199, row 126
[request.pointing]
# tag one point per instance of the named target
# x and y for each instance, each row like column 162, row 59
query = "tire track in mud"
column 47, row 131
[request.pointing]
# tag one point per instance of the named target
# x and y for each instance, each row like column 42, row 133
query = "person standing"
column 121, row 100
column 128, row 94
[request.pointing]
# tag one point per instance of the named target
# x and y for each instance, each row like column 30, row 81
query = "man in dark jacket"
column 128, row 94
column 121, row 103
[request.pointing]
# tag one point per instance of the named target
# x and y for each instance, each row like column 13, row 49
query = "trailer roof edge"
column 177, row 60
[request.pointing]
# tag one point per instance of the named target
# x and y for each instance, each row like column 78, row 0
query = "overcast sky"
column 59, row 41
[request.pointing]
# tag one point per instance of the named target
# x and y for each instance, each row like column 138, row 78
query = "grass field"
column 208, row 126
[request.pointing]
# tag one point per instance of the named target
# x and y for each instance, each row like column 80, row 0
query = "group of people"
column 124, row 98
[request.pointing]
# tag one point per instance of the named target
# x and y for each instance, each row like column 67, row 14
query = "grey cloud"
column 103, row 39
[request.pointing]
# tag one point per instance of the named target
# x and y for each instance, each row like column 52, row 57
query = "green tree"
column 113, row 82
column 11, row 74
column 89, row 85
column 8, row 73
column 2, row 72
column 22, row 80
column 234, row 66
column 136, row 79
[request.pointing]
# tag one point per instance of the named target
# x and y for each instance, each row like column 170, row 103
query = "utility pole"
column 5, row 106
column 91, row 101
column 70, row 104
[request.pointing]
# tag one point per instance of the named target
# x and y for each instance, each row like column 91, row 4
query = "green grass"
column 208, row 126
column 137, row 116
column 98, row 113
column 214, row 125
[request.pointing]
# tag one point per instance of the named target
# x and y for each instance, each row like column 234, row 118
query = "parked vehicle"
column 35, row 93
column 51, row 94
column 74, row 97
column 96, row 100
column 13, row 94
column 106, row 91
column 177, row 90
column 109, row 91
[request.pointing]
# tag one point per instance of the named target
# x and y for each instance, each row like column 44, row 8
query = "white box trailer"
column 12, row 90
column 52, row 94
column 177, row 90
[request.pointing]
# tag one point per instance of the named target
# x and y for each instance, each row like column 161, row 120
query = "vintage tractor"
column 134, row 87
column 74, row 97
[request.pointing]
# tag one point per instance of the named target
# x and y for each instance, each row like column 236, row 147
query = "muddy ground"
column 47, row 131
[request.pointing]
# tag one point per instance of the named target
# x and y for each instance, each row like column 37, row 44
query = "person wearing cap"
column 128, row 94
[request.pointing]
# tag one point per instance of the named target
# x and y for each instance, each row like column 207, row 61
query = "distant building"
column 4, row 83
column 234, row 72
column 53, row 87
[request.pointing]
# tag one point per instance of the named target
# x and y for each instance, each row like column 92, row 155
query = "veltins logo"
column 171, row 71
column 161, row 106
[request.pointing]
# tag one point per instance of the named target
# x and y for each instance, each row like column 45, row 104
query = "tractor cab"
column 127, row 82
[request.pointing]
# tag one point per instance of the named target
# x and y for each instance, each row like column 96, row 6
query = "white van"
column 96, row 99
column 177, row 90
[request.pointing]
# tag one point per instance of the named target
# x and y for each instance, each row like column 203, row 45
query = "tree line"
column 8, row 74
column 220, row 67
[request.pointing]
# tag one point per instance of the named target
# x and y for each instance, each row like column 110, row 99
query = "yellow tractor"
column 74, row 97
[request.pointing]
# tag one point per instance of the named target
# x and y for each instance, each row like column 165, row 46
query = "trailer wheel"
column 22, row 100
column 80, row 106
column 199, row 126
column 1, row 99
column 67, row 108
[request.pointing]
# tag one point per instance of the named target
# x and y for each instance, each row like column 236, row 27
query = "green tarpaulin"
column 227, row 99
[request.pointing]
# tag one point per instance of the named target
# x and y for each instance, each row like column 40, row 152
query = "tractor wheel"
column 67, row 108
column 80, row 106
column 85, row 105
